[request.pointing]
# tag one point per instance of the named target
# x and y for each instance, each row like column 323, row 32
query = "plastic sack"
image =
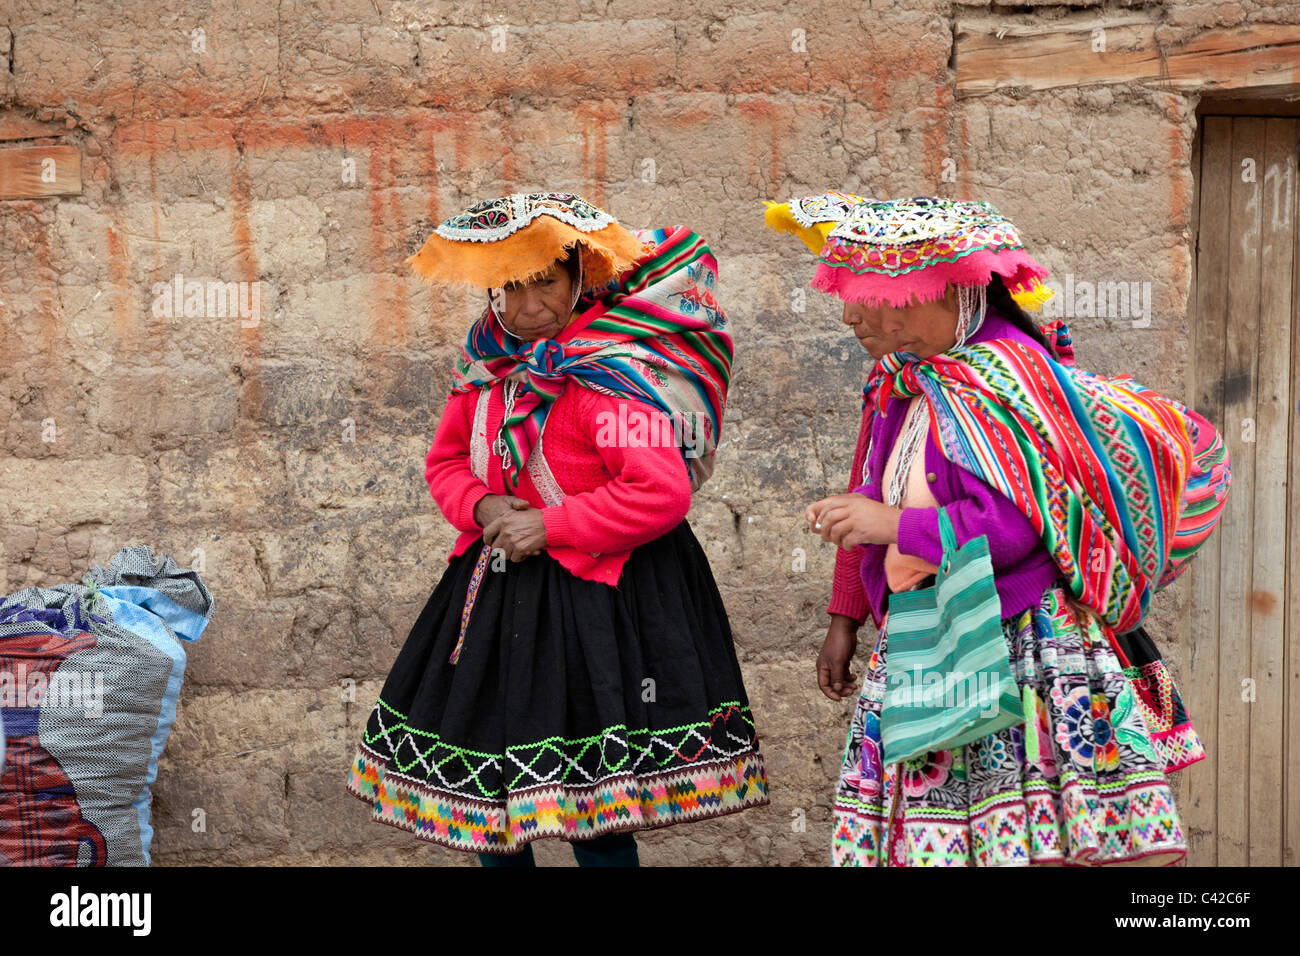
column 90, row 674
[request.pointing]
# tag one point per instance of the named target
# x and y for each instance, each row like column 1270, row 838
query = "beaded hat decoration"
column 812, row 217
column 517, row 238
column 905, row 251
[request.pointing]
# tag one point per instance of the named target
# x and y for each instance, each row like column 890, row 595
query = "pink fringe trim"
column 928, row 283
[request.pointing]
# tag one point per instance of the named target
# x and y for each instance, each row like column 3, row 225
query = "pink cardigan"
column 599, row 501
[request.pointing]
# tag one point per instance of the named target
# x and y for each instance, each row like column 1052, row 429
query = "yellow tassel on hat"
column 1032, row 298
column 778, row 217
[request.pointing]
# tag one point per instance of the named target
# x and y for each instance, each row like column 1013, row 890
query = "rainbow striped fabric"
column 1123, row 483
column 657, row 336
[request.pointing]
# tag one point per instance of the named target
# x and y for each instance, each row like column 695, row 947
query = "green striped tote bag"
column 948, row 674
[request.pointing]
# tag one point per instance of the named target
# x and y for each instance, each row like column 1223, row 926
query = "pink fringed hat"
column 905, row 251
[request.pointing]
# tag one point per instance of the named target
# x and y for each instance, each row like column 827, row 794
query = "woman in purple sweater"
column 1082, row 780
column 1024, row 568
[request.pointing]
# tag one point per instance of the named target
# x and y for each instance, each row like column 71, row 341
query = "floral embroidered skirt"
column 1082, row 781
column 574, row 709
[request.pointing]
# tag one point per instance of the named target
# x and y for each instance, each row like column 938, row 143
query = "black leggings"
column 612, row 849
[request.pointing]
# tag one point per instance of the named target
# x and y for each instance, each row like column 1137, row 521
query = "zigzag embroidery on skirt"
column 573, row 789
column 1086, row 785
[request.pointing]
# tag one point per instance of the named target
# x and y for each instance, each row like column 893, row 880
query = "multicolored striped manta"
column 656, row 334
column 1123, row 483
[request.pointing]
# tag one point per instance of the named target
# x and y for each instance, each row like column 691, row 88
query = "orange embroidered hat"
column 516, row 238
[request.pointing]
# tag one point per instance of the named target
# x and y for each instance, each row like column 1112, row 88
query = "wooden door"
column 1240, row 671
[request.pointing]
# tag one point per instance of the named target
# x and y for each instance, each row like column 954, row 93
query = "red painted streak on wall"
column 394, row 253
column 687, row 116
column 462, row 147
column 429, row 174
column 119, row 272
column 935, row 147
column 157, row 326
column 155, row 330
column 885, row 69
column 378, row 172
column 429, row 171
column 594, row 161
column 878, row 91
column 241, row 234
column 595, row 119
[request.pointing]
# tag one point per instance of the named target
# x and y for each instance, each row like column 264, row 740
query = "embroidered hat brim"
column 518, row 237
column 903, row 252
column 855, row 275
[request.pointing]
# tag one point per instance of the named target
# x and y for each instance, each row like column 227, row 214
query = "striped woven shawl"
column 1122, row 483
column 656, row 334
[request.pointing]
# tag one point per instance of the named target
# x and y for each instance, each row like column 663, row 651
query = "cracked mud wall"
column 225, row 442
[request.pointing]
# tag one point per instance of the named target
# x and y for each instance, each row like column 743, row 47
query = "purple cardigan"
column 1022, row 566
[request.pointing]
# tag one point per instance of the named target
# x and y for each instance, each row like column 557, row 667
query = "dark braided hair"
column 1000, row 301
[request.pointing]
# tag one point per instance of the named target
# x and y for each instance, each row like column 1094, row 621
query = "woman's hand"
column 834, row 676
column 520, row 534
column 493, row 506
column 853, row 519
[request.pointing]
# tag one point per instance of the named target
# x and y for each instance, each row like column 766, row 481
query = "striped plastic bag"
column 948, row 669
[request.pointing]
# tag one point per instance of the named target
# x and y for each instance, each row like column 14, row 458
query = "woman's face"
column 539, row 309
column 926, row 329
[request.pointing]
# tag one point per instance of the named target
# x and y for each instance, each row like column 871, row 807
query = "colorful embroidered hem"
column 1179, row 747
column 1041, row 825
column 1081, row 782
column 619, row 779
column 620, row 802
column 1172, row 733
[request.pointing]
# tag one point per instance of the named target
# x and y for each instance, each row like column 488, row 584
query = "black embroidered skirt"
column 575, row 709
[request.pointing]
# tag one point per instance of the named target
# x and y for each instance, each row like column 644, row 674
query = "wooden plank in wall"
column 18, row 126
column 1276, row 179
column 36, row 171
column 993, row 55
column 1236, row 528
column 1200, row 681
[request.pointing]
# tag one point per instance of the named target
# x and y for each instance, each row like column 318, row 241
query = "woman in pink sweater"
column 573, row 674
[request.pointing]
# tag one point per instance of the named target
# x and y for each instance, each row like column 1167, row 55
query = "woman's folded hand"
column 493, row 506
column 520, row 534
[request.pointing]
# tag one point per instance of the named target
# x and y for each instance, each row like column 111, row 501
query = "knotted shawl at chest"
column 656, row 335
column 1122, row 483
